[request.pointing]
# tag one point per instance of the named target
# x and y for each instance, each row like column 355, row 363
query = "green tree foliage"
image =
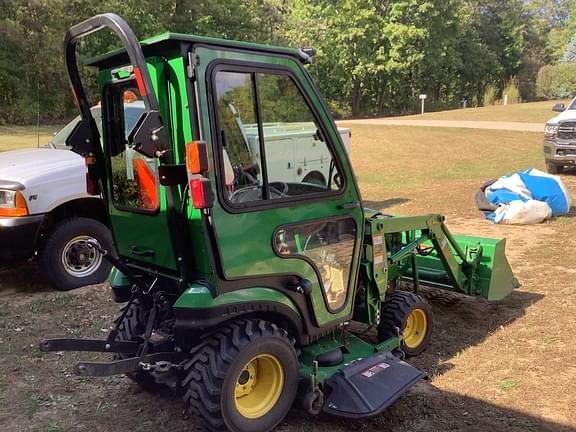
column 569, row 55
column 374, row 56
column 557, row 81
column 31, row 33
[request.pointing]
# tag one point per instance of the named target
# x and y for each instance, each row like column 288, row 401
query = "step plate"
column 368, row 386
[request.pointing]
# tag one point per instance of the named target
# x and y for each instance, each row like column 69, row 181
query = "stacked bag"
column 526, row 197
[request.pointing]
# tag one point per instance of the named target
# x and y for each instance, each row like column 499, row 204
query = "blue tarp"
column 547, row 188
column 528, row 196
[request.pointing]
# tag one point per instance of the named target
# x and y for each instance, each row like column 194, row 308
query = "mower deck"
column 368, row 386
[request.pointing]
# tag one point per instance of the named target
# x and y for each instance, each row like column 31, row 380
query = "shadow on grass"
column 423, row 408
column 22, row 278
column 465, row 322
column 460, row 322
column 387, row 203
column 426, row 408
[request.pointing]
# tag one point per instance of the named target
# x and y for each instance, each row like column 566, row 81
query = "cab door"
column 136, row 200
column 266, row 225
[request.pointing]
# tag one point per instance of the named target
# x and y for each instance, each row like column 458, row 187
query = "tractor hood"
column 32, row 166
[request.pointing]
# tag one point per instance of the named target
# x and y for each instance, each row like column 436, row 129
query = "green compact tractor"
column 244, row 256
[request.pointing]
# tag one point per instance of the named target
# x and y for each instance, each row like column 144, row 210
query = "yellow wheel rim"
column 259, row 386
column 415, row 328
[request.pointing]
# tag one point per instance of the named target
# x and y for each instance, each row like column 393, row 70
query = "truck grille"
column 566, row 152
column 567, row 131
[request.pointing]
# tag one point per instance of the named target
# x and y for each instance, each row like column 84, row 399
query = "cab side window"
column 134, row 177
column 241, row 155
column 272, row 146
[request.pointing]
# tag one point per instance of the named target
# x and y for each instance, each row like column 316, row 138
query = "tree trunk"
column 356, row 99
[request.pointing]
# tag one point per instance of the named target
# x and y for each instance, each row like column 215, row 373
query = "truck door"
column 136, row 200
column 264, row 224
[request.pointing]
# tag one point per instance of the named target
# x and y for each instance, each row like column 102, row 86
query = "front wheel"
column 411, row 314
column 67, row 260
column 243, row 378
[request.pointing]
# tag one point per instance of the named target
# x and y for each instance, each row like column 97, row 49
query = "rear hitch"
column 159, row 362
column 89, row 345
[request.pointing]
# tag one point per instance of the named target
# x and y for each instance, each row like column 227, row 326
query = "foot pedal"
column 366, row 387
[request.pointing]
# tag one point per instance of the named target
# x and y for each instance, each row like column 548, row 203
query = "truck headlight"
column 12, row 203
column 550, row 130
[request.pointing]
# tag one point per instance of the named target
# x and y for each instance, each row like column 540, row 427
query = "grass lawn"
column 396, row 159
column 17, row 137
column 493, row 366
column 532, row 112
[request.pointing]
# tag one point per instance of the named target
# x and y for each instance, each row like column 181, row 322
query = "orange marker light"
column 19, row 208
column 196, row 157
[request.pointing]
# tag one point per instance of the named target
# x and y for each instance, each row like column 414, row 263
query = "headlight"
column 12, row 203
column 550, row 130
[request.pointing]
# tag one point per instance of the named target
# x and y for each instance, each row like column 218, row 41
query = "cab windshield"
column 132, row 113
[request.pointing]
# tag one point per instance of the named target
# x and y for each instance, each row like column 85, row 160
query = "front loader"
column 239, row 281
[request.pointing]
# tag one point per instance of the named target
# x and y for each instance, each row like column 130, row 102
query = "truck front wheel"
column 66, row 259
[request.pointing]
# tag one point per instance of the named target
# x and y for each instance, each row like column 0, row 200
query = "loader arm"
column 423, row 249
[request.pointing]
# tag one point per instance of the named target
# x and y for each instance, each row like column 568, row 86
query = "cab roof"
column 161, row 44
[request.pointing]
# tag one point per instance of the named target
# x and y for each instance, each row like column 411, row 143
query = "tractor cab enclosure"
column 251, row 195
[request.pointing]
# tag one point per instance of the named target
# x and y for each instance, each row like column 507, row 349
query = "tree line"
column 373, row 57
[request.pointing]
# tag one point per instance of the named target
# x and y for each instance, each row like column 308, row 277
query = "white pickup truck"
column 560, row 138
column 46, row 212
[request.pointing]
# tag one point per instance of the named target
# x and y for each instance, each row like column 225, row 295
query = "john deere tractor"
column 245, row 285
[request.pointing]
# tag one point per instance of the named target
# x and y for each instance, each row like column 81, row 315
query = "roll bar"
column 149, row 136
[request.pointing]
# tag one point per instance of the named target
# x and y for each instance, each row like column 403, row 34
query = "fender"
column 196, row 309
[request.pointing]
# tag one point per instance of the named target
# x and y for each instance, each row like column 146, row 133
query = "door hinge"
column 193, row 61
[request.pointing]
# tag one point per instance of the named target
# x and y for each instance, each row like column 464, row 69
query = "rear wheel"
column 244, row 378
column 412, row 315
column 554, row 169
column 132, row 329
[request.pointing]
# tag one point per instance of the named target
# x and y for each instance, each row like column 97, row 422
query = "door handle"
column 135, row 250
column 348, row 206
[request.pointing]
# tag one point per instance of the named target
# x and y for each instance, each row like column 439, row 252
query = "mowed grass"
column 532, row 112
column 396, row 158
column 19, row 137
column 505, row 365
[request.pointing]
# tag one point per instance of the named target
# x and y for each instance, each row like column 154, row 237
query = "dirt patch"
column 507, row 365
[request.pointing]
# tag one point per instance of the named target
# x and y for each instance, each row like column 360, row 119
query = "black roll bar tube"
column 149, row 135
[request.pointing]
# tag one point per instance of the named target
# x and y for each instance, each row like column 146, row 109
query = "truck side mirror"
column 559, row 107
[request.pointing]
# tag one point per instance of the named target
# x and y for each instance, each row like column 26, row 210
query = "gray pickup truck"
column 560, row 138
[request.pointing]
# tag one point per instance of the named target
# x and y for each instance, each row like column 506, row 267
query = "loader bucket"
column 492, row 277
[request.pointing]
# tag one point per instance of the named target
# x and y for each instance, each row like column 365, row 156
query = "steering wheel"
column 254, row 192
column 278, row 188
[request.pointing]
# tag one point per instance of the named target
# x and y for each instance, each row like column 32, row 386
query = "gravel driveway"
column 513, row 126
